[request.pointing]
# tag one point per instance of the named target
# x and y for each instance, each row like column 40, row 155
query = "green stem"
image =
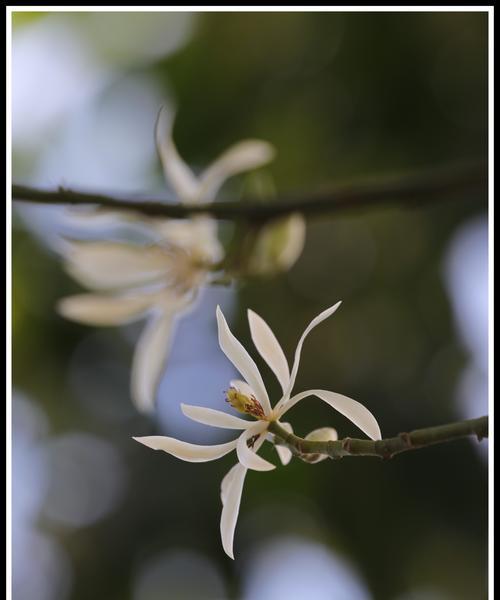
column 426, row 186
column 386, row 448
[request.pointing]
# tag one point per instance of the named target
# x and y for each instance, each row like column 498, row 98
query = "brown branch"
column 406, row 190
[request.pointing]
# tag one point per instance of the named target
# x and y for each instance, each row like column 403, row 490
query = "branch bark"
column 407, row 190
column 386, row 448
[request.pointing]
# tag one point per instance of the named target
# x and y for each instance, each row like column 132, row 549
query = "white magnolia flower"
column 159, row 280
column 250, row 397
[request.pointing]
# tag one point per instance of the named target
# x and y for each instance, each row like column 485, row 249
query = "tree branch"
column 386, row 448
column 426, row 186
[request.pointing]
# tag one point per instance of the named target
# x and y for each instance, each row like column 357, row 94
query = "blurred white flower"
column 250, row 397
column 159, row 280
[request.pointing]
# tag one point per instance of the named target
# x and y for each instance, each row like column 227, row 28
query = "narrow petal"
column 215, row 418
column 248, row 457
column 240, row 358
column 177, row 173
column 149, row 359
column 353, row 410
column 231, row 490
column 284, row 453
column 242, row 387
column 93, row 309
column 185, row 451
column 112, row 265
column 243, row 156
column 269, row 348
column 230, row 493
column 316, row 321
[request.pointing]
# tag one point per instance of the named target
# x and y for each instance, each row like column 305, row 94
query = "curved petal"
column 242, row 387
column 248, row 457
column 231, row 490
column 230, row 493
column 184, row 450
column 316, row 321
column 112, row 265
column 269, row 348
column 177, row 173
column 149, row 359
column 215, row 418
column 243, row 156
column 284, row 453
column 353, row 410
column 93, row 309
column 240, row 358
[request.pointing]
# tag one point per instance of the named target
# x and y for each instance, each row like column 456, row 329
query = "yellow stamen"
column 248, row 405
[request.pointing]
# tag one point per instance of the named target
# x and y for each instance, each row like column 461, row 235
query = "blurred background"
column 343, row 97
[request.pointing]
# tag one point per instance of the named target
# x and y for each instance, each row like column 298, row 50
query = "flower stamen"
column 248, row 405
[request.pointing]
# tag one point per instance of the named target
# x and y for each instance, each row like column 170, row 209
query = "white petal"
column 242, row 387
column 316, row 321
column 240, row 358
column 149, row 359
column 93, row 309
column 353, row 410
column 284, row 453
column 215, row 418
column 111, row 265
column 231, row 489
column 176, row 171
column 186, row 451
column 243, row 156
column 269, row 348
column 248, row 457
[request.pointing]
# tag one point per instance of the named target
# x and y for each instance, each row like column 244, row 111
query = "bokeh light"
column 87, row 478
column 295, row 568
column 185, row 574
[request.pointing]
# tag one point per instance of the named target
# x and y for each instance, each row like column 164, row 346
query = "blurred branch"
column 410, row 190
column 386, row 448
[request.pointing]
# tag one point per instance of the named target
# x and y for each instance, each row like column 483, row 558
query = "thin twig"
column 407, row 190
column 386, row 448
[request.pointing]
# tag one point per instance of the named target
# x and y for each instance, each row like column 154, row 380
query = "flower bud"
column 278, row 245
column 323, row 434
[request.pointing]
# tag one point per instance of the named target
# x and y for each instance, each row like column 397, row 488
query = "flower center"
column 248, row 405
column 187, row 269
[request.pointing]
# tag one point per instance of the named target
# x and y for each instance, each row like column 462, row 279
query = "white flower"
column 250, row 397
column 159, row 280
